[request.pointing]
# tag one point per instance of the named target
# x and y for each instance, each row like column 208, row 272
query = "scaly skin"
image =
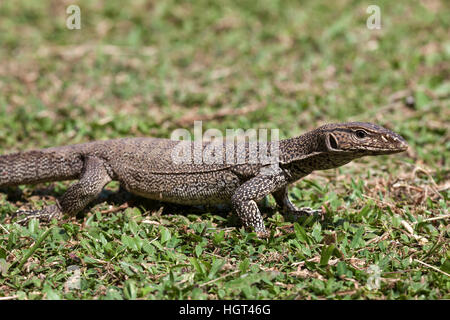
column 145, row 166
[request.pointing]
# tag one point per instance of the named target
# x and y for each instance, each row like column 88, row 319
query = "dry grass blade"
column 445, row 216
column 9, row 298
column 220, row 278
column 435, row 186
column 432, row 267
column 410, row 230
column 4, row 229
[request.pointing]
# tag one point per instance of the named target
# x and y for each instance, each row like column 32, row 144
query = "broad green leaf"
column 300, row 233
column 326, row 254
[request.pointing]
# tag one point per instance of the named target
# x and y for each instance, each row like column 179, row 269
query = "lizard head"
column 362, row 138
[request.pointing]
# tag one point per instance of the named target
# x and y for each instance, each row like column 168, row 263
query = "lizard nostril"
column 332, row 141
column 403, row 145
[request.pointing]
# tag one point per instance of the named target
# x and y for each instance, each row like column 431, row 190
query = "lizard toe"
column 263, row 234
column 303, row 212
column 43, row 215
column 26, row 215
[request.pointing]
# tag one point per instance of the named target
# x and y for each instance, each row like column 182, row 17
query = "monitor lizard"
column 146, row 167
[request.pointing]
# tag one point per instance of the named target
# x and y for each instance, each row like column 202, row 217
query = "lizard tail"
column 38, row 166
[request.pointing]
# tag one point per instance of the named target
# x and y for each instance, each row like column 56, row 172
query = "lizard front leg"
column 282, row 199
column 245, row 197
column 93, row 178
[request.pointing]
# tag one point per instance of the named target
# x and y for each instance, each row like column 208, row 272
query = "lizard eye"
column 361, row 134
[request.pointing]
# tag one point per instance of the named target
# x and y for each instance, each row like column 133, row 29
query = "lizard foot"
column 304, row 212
column 263, row 234
column 43, row 215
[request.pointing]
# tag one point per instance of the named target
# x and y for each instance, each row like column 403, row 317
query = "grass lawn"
column 146, row 68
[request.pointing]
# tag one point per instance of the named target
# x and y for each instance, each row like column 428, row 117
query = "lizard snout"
column 398, row 142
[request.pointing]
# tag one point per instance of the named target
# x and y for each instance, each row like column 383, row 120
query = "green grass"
column 147, row 68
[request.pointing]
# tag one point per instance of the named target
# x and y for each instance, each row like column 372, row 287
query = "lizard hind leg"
column 289, row 209
column 92, row 180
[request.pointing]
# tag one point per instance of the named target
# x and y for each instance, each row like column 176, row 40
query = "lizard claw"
column 27, row 215
column 304, row 211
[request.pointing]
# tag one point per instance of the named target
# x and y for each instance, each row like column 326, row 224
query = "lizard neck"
column 297, row 148
column 302, row 155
